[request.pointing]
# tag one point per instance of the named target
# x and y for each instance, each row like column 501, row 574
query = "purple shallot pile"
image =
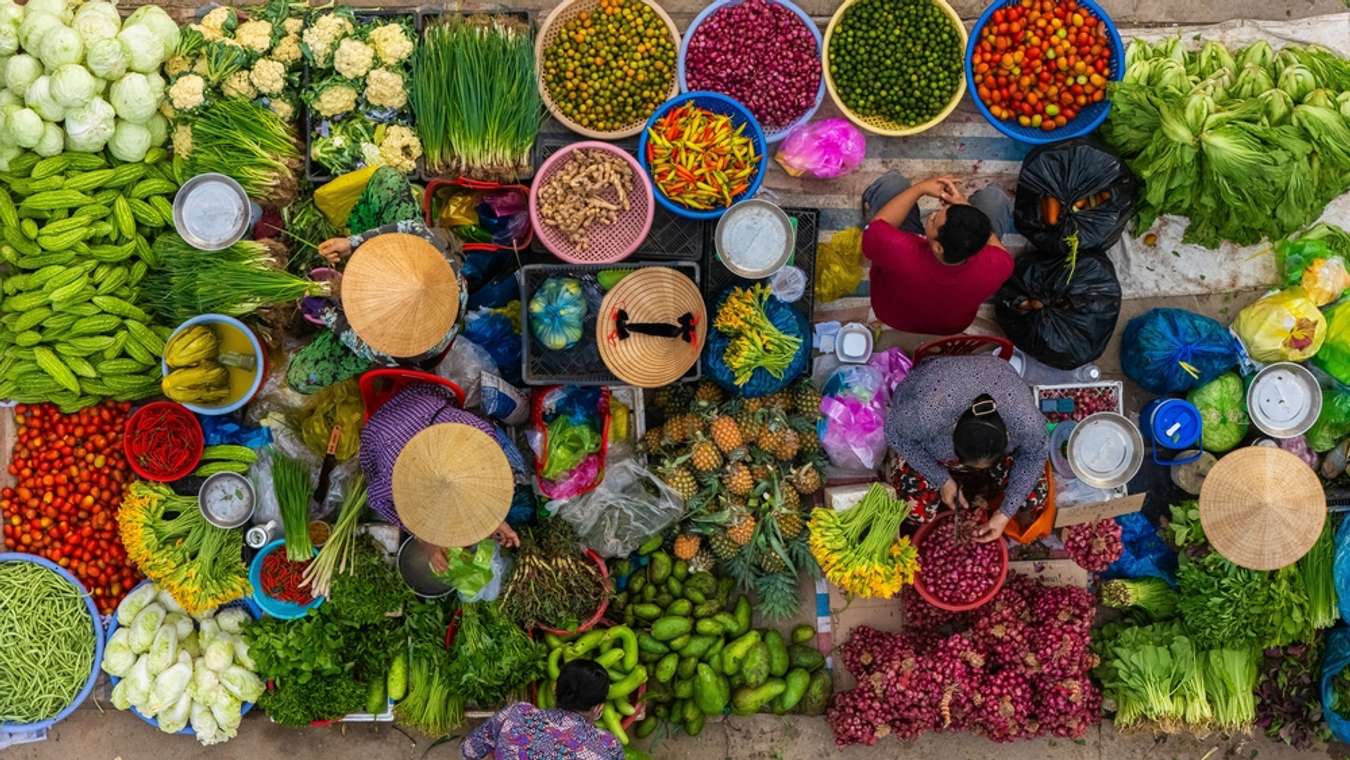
column 1095, row 546
column 954, row 568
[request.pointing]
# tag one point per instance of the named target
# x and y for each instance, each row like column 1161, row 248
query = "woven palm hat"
column 1262, row 507
column 399, row 294
column 452, row 485
column 651, row 327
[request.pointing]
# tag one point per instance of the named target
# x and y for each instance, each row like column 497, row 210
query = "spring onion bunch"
column 246, row 141
column 1248, row 145
column 475, row 98
column 236, row 281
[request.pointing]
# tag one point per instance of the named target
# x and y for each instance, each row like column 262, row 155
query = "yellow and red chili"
column 699, row 159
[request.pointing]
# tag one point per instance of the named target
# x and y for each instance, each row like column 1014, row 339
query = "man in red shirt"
column 930, row 277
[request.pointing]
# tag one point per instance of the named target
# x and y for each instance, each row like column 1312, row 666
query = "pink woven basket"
column 608, row 243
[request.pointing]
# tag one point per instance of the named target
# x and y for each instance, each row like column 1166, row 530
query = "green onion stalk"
column 250, row 143
column 290, row 481
column 475, row 97
column 1152, row 595
column 1315, row 570
column 236, row 281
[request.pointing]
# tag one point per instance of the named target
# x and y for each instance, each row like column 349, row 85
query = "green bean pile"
column 46, row 643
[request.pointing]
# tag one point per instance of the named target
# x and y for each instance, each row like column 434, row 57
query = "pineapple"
column 806, row 399
column 736, row 478
column 769, row 561
column 810, row 440
column 790, row 522
column 726, row 434
column 709, row 392
column 781, row 400
column 722, row 546
column 681, row 481
column 741, row 529
column 761, row 472
column 806, row 479
column 703, row 561
column 687, row 545
column 651, row 440
column 751, row 424
column 705, row 457
column 754, row 404
column 663, row 397
column 678, row 428
column 789, row 498
column 786, row 445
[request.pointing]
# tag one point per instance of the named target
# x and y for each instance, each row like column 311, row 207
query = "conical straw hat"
column 654, row 295
column 452, row 485
column 1262, row 507
column 399, row 294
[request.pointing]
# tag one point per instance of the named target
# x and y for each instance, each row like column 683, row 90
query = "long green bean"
column 291, row 482
column 46, row 643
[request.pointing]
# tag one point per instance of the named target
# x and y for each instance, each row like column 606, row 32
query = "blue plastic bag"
column 1335, row 660
column 1340, row 569
column 493, row 331
column 1173, row 350
column 1145, row 554
column 761, row 383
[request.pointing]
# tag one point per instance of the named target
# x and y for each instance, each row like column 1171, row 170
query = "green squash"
column 557, row 311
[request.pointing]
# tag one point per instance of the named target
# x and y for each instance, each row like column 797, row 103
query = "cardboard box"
column 1084, row 513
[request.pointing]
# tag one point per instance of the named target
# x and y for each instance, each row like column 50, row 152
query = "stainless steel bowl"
column 1105, row 450
column 228, row 478
column 1284, row 400
column 414, row 558
column 211, row 212
column 723, row 242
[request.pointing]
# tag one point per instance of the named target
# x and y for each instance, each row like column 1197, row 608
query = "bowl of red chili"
column 276, row 583
column 163, row 441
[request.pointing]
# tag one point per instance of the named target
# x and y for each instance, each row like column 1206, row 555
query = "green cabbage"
column 71, row 86
column 133, row 98
column 129, row 141
column 25, row 126
column 106, row 59
column 1223, row 408
column 20, row 71
column 60, row 46
column 89, row 128
column 97, row 20
column 9, row 39
column 145, row 50
column 53, row 141
column 38, row 97
column 156, row 20
column 1297, row 80
column 34, row 27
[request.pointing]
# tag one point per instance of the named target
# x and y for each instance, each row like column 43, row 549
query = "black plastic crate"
column 717, row 278
column 581, row 364
column 672, row 238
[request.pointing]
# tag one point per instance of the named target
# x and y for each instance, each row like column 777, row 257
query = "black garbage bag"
column 1077, row 187
column 1062, row 318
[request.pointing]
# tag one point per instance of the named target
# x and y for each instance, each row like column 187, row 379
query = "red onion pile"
column 1016, row 668
column 760, row 53
column 1095, row 545
column 955, row 569
column 1086, row 400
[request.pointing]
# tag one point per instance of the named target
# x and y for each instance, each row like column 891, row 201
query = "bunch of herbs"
column 1288, row 695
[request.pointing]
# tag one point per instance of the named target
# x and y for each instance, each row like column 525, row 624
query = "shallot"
column 955, row 569
column 1094, row 545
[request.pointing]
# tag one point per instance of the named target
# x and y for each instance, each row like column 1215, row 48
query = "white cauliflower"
column 401, row 148
column 287, row 50
column 201, row 67
column 391, row 43
column 209, row 34
column 384, row 89
column 353, row 58
column 268, row 76
column 282, row 108
column 335, row 100
column 166, row 110
column 322, row 37
column 255, row 35
column 182, row 140
column 177, row 65
column 237, row 85
column 293, row 26
column 187, row 92
column 219, row 20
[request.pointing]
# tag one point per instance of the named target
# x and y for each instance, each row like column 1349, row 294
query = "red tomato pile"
column 1041, row 62
column 71, row 473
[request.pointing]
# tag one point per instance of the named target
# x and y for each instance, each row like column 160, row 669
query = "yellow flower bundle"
column 755, row 341
column 171, row 542
column 860, row 549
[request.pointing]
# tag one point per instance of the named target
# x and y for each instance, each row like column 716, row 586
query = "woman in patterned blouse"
column 525, row 732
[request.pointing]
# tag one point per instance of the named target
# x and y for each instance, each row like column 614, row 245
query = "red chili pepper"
column 281, row 579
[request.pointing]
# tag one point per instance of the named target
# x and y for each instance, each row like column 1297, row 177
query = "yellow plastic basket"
column 548, row 32
column 876, row 124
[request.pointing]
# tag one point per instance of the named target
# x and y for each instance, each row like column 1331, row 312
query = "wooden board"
column 1084, row 513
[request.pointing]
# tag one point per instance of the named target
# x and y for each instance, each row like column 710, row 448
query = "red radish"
column 1094, row 545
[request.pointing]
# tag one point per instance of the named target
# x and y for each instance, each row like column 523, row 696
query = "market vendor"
column 525, row 732
column 931, row 276
column 961, row 417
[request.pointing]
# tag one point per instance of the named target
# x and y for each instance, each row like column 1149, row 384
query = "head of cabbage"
column 71, row 86
column 34, row 27
column 60, row 46
column 1223, row 408
column 106, row 59
column 97, row 20
column 129, row 141
column 89, row 127
column 38, row 97
column 20, row 71
column 134, row 97
column 9, row 39
column 144, row 50
column 25, row 127
column 156, row 20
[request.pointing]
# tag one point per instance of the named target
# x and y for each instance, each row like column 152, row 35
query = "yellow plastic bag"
column 337, row 197
column 1325, row 279
column 1281, row 327
column 839, row 269
column 337, row 406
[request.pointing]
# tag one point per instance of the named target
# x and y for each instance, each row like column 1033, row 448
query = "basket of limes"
column 895, row 67
column 605, row 65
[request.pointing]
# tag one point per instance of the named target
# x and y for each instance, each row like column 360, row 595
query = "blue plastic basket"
column 778, row 134
column 717, row 103
column 244, row 603
column 83, row 694
column 275, row 607
column 1088, row 118
column 258, row 374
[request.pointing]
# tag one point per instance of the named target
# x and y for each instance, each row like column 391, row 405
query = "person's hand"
column 439, row 563
column 506, row 537
column 333, row 249
column 949, row 193
column 952, row 496
column 991, row 530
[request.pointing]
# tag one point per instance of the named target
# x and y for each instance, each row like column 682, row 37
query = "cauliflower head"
column 353, row 58
column 335, row 100
column 282, row 108
column 401, row 148
column 287, row 50
column 187, row 92
column 209, row 34
column 268, row 76
column 322, row 37
column 219, row 21
column 237, row 85
column 254, row 35
column 182, row 140
column 384, row 89
column 293, row 26
column 391, row 43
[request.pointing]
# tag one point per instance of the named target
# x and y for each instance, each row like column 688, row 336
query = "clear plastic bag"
column 630, row 504
column 824, row 149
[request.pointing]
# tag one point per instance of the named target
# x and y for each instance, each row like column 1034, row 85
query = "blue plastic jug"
column 1173, row 425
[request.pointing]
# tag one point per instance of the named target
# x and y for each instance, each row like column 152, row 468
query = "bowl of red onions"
column 764, row 53
column 956, row 573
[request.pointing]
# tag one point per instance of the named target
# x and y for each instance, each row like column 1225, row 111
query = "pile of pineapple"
column 748, row 470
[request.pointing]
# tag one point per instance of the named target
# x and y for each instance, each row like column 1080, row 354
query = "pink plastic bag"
column 824, row 149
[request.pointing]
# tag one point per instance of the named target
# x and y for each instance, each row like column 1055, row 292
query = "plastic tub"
column 771, row 136
column 259, row 372
column 1088, row 119
column 717, row 103
column 275, row 607
column 94, row 670
column 245, row 603
column 196, row 441
column 608, row 243
column 919, row 586
column 599, row 611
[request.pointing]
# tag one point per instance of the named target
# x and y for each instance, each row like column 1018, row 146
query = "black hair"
column 582, row 684
column 980, row 436
column 964, row 233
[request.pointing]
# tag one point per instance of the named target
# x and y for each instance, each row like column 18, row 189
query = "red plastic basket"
column 196, row 440
column 608, row 243
column 374, row 392
column 599, row 611
column 919, row 586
